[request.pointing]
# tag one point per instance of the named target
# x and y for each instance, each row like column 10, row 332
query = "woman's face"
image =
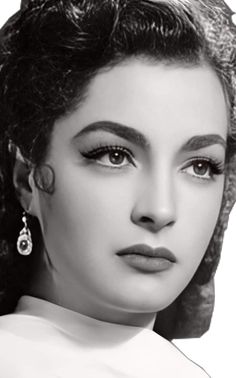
column 140, row 162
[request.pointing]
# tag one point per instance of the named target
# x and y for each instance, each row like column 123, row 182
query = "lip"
column 147, row 259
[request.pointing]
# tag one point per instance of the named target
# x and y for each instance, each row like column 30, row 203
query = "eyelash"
column 216, row 167
column 101, row 151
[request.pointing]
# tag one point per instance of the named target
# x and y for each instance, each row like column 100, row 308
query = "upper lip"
column 145, row 250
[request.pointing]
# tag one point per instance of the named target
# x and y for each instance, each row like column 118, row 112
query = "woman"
column 117, row 122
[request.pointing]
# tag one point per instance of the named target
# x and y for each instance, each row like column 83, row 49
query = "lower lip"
column 146, row 263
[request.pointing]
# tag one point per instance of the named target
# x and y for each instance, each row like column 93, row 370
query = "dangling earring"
column 24, row 241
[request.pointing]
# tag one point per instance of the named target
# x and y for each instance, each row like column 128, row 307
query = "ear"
column 23, row 181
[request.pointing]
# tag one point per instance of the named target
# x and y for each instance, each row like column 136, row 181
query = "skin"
column 159, row 198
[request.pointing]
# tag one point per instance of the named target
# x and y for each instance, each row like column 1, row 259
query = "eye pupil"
column 200, row 168
column 116, row 157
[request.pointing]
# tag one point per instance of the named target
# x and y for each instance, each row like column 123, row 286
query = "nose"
column 155, row 204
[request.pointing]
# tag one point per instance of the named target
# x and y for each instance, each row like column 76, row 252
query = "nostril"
column 146, row 219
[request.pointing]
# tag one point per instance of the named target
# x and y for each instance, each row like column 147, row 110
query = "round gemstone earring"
column 24, row 241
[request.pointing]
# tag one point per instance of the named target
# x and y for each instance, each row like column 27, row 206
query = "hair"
column 50, row 52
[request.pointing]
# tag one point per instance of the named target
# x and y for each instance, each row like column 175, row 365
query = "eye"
column 111, row 156
column 204, row 168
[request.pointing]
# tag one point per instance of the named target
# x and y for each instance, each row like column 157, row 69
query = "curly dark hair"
column 50, row 51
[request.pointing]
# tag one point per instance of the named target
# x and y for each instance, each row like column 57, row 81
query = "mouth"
column 147, row 259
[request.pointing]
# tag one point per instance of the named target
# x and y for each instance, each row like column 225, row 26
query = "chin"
column 145, row 302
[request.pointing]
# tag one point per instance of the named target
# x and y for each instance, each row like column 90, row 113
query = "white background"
column 215, row 351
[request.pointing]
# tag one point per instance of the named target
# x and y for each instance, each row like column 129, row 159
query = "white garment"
column 43, row 340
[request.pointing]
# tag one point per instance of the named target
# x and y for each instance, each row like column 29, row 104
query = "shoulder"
column 173, row 360
column 196, row 370
column 27, row 328
column 12, row 350
column 21, row 355
column 11, row 328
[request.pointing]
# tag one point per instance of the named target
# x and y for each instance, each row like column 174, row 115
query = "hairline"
column 199, row 61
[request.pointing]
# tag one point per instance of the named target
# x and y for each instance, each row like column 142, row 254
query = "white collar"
column 78, row 325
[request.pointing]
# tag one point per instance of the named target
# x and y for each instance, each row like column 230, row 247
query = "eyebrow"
column 118, row 129
column 201, row 141
column 132, row 135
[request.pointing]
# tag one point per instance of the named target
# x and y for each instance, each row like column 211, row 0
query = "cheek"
column 200, row 214
column 83, row 210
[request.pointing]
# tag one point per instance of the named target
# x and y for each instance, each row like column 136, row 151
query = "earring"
column 24, row 241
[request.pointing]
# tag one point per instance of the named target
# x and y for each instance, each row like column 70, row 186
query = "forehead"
column 155, row 98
